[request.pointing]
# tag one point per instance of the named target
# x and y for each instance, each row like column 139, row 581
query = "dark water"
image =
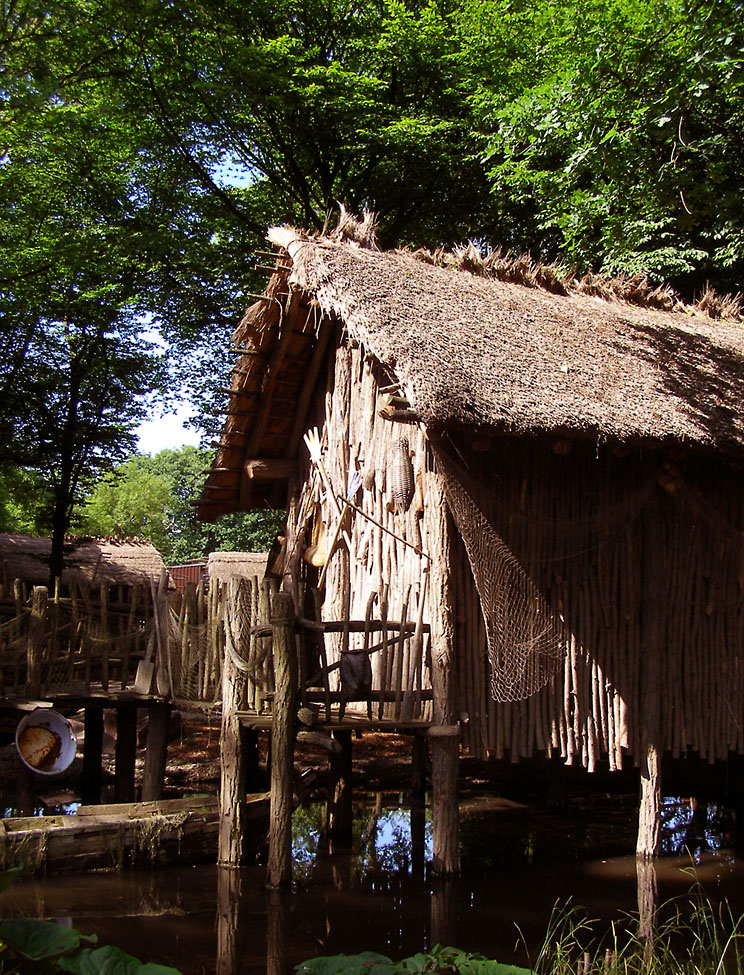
column 517, row 862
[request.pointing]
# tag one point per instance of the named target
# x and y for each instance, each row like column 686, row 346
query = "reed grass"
column 690, row 935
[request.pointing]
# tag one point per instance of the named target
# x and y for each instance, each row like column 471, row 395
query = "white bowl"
column 59, row 725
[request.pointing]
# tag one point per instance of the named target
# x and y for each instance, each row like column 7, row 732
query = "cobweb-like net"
column 526, row 644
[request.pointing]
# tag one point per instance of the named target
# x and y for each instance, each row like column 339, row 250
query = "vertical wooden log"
column 339, row 791
column 158, row 719
column 418, row 839
column 231, row 841
column 648, row 901
column 15, row 634
column 444, row 750
column 103, row 635
column 126, row 752
column 419, row 760
column 254, row 779
column 653, row 608
column 92, row 750
column 35, row 645
column 279, row 872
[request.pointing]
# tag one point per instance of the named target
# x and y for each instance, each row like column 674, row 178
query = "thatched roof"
column 497, row 354
column 483, row 353
column 236, row 565
column 90, row 561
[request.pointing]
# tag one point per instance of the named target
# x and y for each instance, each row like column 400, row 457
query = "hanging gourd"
column 400, row 472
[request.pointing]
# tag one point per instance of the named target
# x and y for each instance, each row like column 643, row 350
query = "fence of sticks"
column 100, row 638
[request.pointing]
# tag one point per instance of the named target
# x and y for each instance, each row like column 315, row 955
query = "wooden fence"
column 94, row 639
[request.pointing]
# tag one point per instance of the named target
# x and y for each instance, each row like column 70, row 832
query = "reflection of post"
column 279, row 869
column 444, row 903
column 647, row 903
column 277, row 933
column 229, row 889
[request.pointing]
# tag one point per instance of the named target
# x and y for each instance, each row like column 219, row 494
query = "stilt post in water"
column 444, row 749
column 231, row 840
column 279, row 872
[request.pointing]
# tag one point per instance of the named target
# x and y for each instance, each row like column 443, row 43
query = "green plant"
column 689, row 935
column 439, row 959
column 32, row 947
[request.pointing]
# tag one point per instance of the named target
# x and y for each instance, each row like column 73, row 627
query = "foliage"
column 146, row 147
column 616, row 140
column 691, row 936
column 439, row 959
column 33, row 947
column 149, row 497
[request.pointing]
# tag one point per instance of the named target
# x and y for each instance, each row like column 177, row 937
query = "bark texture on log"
column 279, row 871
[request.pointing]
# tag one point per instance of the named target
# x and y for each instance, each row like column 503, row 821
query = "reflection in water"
column 517, row 863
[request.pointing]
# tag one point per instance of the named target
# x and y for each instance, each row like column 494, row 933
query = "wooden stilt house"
column 515, row 505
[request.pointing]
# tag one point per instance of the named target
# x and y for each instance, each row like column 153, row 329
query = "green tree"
column 618, row 135
column 150, row 497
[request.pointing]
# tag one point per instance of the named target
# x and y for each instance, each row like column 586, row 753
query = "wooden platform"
column 356, row 721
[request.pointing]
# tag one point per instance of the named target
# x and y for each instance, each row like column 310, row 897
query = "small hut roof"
column 479, row 352
column 127, row 562
column 236, row 565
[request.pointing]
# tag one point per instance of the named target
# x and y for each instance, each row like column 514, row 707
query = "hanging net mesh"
column 526, row 644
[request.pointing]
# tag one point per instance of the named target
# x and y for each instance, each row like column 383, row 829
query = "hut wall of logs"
column 521, row 505
column 358, row 549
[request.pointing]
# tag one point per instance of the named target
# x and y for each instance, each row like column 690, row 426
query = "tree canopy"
column 147, row 146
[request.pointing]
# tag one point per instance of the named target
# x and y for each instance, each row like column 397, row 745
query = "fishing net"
column 526, row 644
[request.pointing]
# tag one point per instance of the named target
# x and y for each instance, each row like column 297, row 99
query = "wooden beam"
column 270, row 469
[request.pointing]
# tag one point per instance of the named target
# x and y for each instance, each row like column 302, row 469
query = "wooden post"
column 648, row 902
column 92, row 750
column 126, row 752
column 279, row 872
column 339, row 791
column 444, row 749
column 35, row 645
column 231, row 843
column 654, row 573
column 418, row 841
column 255, row 781
column 158, row 720
column 419, row 760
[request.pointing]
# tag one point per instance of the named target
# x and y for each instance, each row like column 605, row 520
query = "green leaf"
column 365, row 963
column 41, row 939
column 111, row 961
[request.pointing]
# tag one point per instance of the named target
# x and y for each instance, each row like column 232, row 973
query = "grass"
column 690, row 936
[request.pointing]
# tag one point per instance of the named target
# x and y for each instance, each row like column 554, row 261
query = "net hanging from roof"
column 526, row 643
